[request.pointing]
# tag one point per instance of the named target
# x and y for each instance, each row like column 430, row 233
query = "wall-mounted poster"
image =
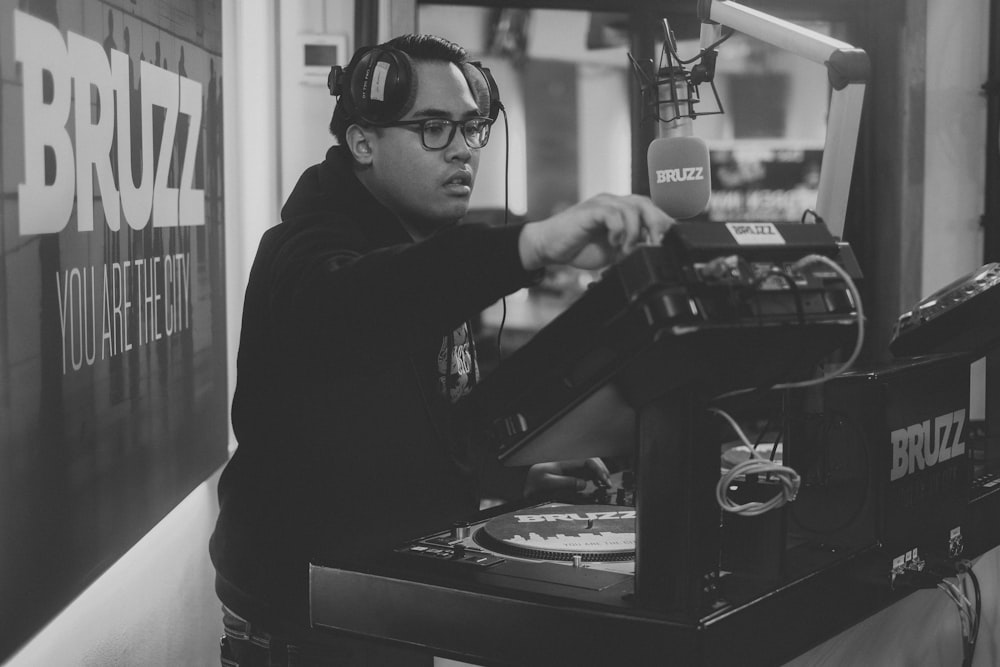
column 112, row 313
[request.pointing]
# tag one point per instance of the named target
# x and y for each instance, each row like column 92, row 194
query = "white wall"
column 604, row 142
column 955, row 153
column 955, row 150
column 250, row 142
column 305, row 104
column 155, row 606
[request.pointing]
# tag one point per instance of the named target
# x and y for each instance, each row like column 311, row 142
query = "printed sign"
column 113, row 400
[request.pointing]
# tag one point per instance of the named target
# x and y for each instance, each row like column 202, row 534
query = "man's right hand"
column 593, row 233
column 562, row 476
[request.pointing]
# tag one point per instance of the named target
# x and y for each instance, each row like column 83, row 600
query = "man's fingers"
column 549, row 482
column 566, row 476
column 633, row 227
column 587, row 469
column 632, row 219
column 614, row 224
column 562, row 482
column 654, row 220
column 593, row 233
column 622, row 221
column 599, row 471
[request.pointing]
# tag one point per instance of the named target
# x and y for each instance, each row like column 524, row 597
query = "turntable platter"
column 561, row 532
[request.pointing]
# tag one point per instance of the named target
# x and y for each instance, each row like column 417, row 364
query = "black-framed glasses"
column 438, row 133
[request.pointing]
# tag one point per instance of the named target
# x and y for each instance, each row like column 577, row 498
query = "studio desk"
column 627, row 371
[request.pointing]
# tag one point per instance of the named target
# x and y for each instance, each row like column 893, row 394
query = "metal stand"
column 677, row 524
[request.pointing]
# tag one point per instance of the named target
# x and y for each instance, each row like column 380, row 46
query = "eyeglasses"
column 438, row 133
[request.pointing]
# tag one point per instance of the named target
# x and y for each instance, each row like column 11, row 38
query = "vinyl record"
column 560, row 532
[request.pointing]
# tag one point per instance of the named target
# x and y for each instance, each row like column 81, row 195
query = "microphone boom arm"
column 848, row 69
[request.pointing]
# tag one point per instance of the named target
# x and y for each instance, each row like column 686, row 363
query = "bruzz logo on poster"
column 80, row 73
column 75, row 84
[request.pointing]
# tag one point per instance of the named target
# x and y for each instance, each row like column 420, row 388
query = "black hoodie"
column 345, row 441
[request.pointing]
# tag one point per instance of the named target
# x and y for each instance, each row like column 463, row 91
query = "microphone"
column 680, row 181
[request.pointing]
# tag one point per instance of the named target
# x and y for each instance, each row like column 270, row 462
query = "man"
column 355, row 343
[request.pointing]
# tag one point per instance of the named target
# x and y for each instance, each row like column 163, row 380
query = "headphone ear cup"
column 382, row 86
column 484, row 88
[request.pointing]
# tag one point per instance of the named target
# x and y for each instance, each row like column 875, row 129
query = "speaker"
column 891, row 466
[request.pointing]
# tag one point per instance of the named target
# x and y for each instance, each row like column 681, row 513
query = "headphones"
column 379, row 86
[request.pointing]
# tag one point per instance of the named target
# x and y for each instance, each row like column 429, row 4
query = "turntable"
column 556, row 532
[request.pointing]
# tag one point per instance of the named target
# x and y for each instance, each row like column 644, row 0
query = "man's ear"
column 358, row 143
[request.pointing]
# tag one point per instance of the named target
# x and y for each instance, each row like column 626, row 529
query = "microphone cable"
column 671, row 46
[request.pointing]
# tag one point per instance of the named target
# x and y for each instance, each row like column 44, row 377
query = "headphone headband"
column 379, row 85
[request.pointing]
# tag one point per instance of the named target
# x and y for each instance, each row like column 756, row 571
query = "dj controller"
column 652, row 572
column 622, row 372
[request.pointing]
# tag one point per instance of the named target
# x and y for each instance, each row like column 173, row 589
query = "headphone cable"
column 506, row 220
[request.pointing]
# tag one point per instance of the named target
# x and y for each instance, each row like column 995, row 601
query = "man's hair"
column 419, row 48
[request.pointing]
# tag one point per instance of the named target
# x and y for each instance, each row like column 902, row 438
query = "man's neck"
column 418, row 228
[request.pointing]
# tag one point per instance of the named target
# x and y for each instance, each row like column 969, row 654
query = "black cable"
column 816, row 216
column 966, row 567
column 767, row 427
column 777, row 441
column 668, row 44
column 968, row 643
column 800, row 314
column 506, row 220
column 794, row 289
column 937, row 574
column 760, row 437
column 472, row 351
column 979, row 604
column 958, row 592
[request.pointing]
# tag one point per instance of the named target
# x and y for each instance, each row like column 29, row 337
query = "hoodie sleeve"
column 327, row 292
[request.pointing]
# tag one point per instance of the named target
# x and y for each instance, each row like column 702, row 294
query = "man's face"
column 429, row 189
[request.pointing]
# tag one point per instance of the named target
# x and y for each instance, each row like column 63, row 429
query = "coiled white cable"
column 755, row 465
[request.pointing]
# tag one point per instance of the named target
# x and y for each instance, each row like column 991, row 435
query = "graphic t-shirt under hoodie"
column 353, row 347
